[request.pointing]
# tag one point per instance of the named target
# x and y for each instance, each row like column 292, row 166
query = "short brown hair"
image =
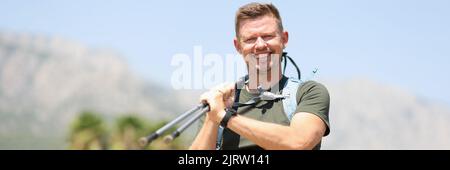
column 254, row 10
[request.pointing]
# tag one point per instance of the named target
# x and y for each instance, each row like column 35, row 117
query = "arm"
column 305, row 132
column 217, row 98
column 206, row 138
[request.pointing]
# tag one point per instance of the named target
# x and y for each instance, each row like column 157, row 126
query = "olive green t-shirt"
column 312, row 97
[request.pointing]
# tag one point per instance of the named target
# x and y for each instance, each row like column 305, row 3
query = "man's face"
column 261, row 43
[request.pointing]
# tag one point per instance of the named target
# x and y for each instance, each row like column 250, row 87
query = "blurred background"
column 97, row 74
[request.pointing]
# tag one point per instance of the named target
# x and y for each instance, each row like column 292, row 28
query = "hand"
column 218, row 98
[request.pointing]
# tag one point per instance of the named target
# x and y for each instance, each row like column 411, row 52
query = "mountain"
column 45, row 81
column 368, row 115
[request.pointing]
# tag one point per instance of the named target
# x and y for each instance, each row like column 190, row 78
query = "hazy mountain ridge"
column 368, row 115
column 45, row 81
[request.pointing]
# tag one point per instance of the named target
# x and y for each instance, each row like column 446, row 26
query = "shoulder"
column 312, row 86
column 313, row 90
column 313, row 97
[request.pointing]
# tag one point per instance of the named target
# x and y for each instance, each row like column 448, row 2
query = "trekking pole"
column 144, row 141
column 176, row 133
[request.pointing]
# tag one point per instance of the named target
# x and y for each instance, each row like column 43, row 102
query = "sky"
column 402, row 43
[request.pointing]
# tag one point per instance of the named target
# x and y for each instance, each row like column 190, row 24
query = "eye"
column 250, row 40
column 267, row 37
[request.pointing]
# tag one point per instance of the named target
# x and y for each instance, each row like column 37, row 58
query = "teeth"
column 263, row 57
column 264, row 54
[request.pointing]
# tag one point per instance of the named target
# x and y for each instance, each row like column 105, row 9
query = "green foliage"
column 88, row 121
column 88, row 131
column 159, row 143
column 130, row 121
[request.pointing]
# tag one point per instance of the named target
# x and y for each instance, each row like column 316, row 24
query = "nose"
column 260, row 44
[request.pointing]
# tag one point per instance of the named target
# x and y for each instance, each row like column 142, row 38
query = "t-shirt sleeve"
column 313, row 97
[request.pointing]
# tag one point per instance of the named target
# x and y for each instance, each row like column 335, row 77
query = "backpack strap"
column 290, row 102
column 219, row 138
column 220, row 132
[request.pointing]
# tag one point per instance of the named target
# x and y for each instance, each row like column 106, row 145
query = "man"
column 260, row 39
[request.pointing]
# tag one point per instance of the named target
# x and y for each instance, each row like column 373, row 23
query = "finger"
column 228, row 90
column 229, row 102
column 228, row 97
column 224, row 88
column 217, row 87
column 204, row 97
column 230, row 87
column 220, row 91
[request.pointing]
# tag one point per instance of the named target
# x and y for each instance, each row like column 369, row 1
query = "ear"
column 237, row 45
column 285, row 38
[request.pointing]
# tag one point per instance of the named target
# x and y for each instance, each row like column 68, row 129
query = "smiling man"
column 258, row 112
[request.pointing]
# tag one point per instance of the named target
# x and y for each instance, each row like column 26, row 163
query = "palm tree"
column 128, row 130
column 159, row 144
column 88, row 132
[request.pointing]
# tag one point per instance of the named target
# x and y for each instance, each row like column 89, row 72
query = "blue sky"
column 401, row 43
